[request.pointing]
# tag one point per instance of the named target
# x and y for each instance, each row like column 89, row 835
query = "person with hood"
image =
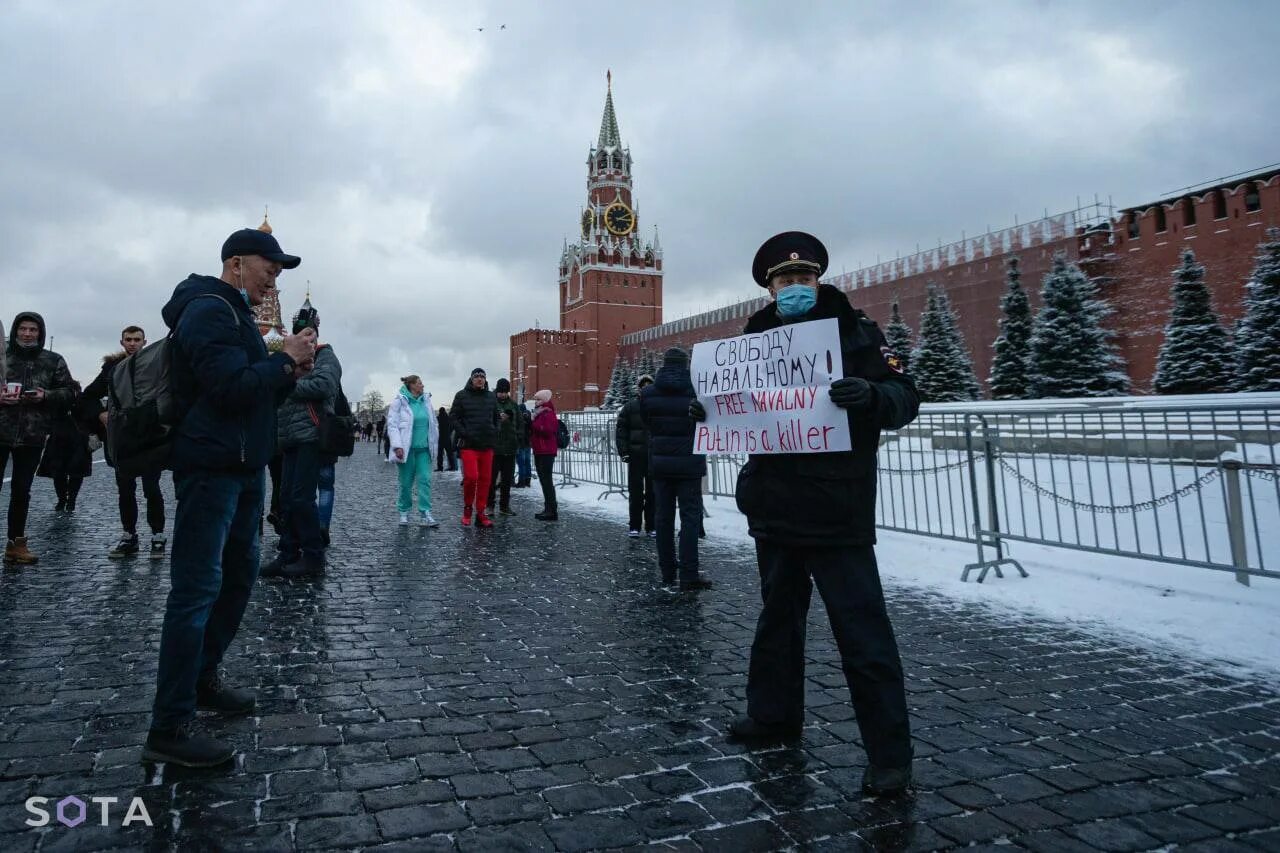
column 676, row 470
column 813, row 519
column 94, row 414
column 475, row 425
column 631, row 438
column 504, row 449
column 37, row 385
column 229, row 386
column 414, row 430
column 444, row 447
column 542, row 440
column 67, row 459
column 300, row 550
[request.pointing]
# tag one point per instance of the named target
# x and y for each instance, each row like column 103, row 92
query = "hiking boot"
column 158, row 543
column 16, row 553
column 275, row 567
column 404, row 519
column 306, row 567
column 749, row 729
column 483, row 520
column 547, row 516
column 324, row 536
column 466, row 517
column 184, row 747
column 694, row 584
column 886, row 781
column 126, row 547
column 428, row 520
column 213, row 694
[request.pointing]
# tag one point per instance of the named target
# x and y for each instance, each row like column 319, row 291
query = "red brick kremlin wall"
column 1133, row 272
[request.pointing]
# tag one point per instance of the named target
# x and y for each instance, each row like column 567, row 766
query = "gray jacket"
column 312, row 396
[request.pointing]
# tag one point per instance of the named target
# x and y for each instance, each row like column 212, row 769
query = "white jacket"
column 400, row 425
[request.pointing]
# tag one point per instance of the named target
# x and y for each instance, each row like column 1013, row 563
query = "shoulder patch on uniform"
column 891, row 359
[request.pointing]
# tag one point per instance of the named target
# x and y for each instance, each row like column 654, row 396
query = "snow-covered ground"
column 1192, row 612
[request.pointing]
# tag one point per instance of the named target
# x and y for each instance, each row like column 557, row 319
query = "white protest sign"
column 767, row 392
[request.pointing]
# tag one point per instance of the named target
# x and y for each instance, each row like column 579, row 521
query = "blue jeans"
column 211, row 572
column 524, row 464
column 299, row 517
column 687, row 492
column 324, row 491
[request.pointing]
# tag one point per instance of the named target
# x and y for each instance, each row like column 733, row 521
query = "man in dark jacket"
column 475, row 424
column 300, row 551
column 94, row 414
column 524, row 450
column 504, row 449
column 37, row 385
column 445, row 441
column 230, row 387
column 631, row 437
column 813, row 519
column 677, row 471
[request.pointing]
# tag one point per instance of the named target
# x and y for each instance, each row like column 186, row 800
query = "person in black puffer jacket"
column 37, row 385
column 677, row 471
column 631, row 438
column 474, row 414
column 813, row 519
column 67, row 459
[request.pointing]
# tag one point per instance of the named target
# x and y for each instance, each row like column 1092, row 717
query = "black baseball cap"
column 250, row 241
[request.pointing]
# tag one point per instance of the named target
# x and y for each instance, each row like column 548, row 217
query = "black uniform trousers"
column 849, row 583
column 672, row 494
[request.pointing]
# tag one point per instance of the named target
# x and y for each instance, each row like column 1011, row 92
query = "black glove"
column 697, row 411
column 852, row 393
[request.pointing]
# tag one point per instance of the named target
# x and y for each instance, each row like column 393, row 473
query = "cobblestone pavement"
column 529, row 687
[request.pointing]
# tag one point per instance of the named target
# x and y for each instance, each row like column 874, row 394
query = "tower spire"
column 609, row 135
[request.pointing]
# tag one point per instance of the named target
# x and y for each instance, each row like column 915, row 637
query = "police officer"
column 813, row 519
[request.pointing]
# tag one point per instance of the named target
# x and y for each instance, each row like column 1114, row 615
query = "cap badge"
column 795, row 256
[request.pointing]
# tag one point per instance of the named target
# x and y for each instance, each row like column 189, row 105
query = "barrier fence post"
column 1235, row 519
column 989, row 535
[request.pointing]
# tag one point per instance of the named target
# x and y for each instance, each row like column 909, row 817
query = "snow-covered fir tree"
column 1008, row 378
column 619, row 384
column 648, row 364
column 1071, row 354
column 1258, row 332
column 898, row 336
column 1196, row 355
column 940, row 362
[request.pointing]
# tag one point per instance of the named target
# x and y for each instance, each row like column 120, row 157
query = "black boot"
column 213, row 694
column 182, row 746
column 886, row 781
column 748, row 729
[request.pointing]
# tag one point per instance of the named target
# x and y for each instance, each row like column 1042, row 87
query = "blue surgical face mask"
column 796, row 300
column 244, row 294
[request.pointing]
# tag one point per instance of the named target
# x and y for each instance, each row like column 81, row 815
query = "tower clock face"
column 619, row 219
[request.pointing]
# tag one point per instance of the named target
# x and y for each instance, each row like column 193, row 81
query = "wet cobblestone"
column 530, row 688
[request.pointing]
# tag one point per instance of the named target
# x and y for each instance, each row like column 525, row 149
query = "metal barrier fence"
column 1195, row 481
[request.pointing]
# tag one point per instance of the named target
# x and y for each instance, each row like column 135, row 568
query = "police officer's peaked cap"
column 787, row 252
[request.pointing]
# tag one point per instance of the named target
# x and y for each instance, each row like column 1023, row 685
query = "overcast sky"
column 428, row 172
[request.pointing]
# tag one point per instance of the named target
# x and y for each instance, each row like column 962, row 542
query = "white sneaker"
column 428, row 520
column 634, row 534
column 404, row 519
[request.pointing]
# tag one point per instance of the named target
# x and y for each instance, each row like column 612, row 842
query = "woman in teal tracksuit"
column 413, row 432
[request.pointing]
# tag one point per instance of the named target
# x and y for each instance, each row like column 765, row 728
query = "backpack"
column 142, row 409
column 337, row 429
column 562, row 435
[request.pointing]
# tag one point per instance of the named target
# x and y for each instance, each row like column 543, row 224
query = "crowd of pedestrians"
column 227, row 408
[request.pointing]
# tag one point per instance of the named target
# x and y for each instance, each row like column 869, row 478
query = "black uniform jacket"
column 828, row 499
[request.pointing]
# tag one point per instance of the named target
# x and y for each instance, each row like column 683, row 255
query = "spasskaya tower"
column 610, row 283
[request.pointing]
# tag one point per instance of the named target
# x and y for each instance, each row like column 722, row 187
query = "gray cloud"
column 427, row 172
